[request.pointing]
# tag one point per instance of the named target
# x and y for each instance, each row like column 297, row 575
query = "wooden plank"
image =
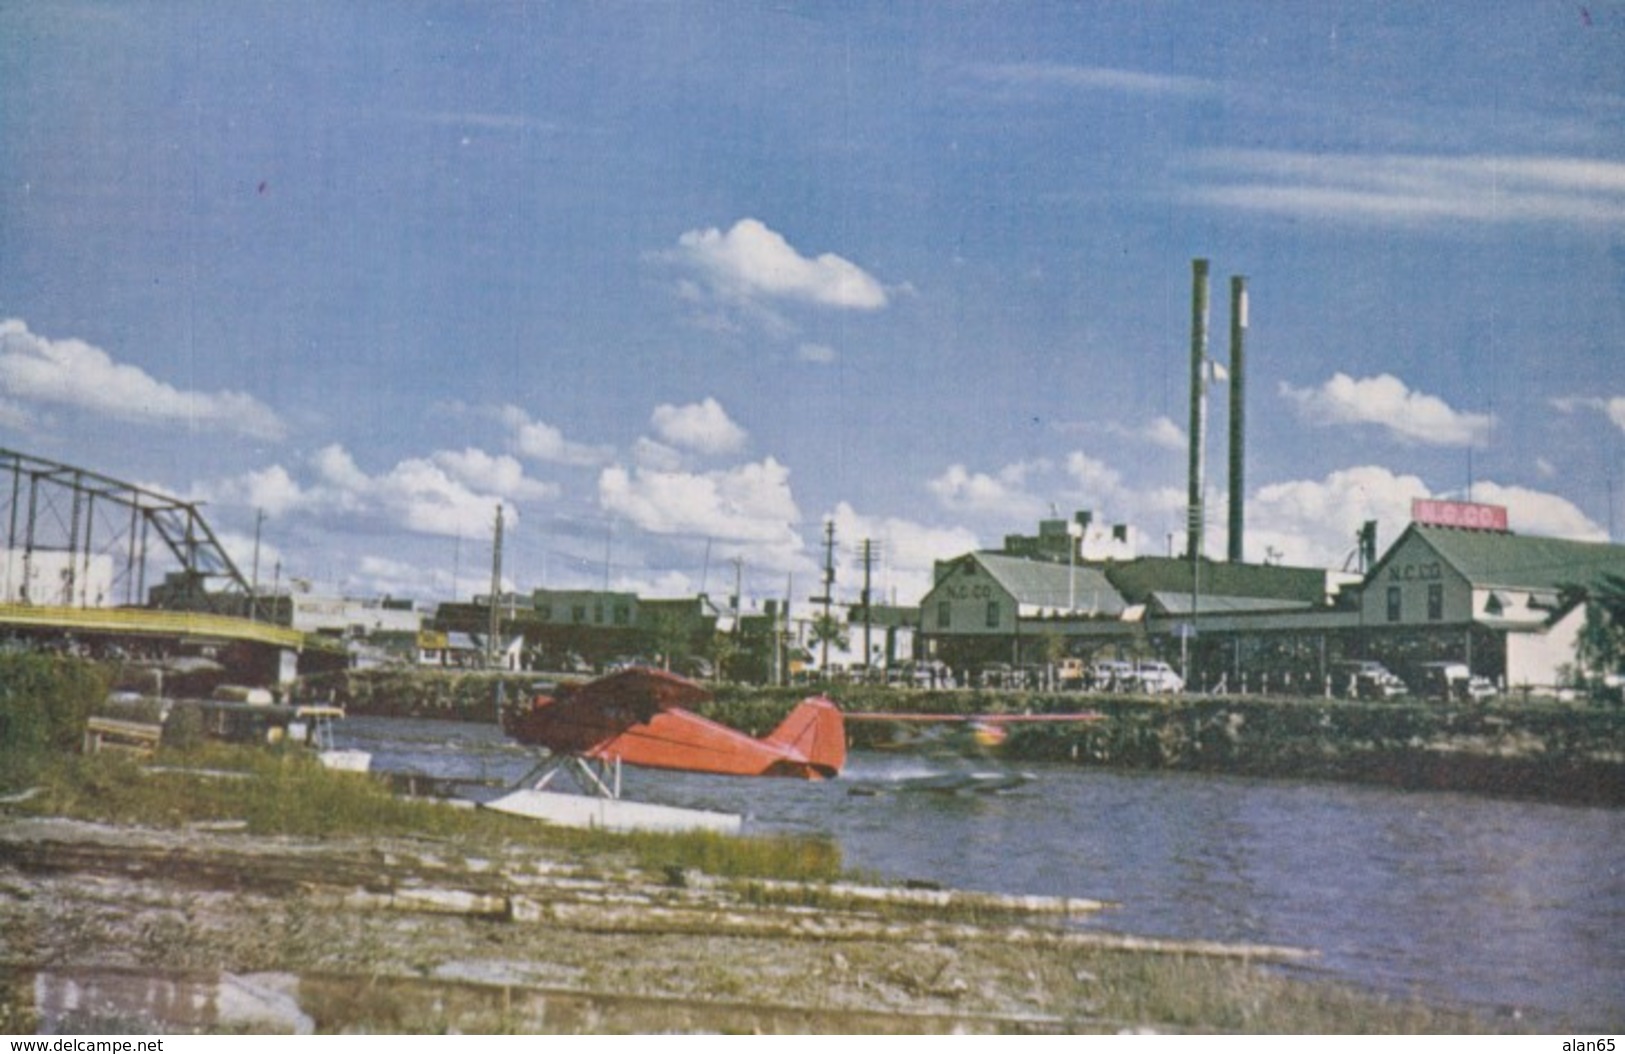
column 109, row 733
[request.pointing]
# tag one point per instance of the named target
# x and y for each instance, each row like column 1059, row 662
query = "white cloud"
column 494, row 474
column 1386, row 401
column 905, row 554
column 751, row 261
column 749, row 504
column 1093, row 78
column 1164, row 433
column 540, row 441
column 1411, row 189
column 272, row 491
column 960, row 490
column 822, row 354
column 1015, row 498
column 703, row 427
column 449, row 494
column 15, row 416
column 1613, row 408
column 76, row 374
column 1312, row 523
column 1539, row 513
column 649, row 454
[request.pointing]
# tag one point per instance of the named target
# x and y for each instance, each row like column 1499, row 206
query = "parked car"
column 1366, row 679
column 1157, row 678
column 1453, row 680
column 1111, row 675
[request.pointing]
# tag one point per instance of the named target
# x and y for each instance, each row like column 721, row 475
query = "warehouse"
column 1456, row 586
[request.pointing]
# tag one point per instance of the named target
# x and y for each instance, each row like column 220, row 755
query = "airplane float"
column 956, row 736
column 641, row 717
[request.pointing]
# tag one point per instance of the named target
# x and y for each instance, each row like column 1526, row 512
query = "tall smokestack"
column 1238, row 415
column 1199, row 299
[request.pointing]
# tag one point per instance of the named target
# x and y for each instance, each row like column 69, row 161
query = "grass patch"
column 290, row 793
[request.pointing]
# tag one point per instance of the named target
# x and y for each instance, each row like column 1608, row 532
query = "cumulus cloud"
column 494, row 474
column 1612, row 408
column 1164, row 433
column 1540, row 513
column 1092, row 78
column 1016, row 497
column 647, row 453
column 72, row 373
column 1416, row 189
column 1385, row 401
column 273, row 490
column 905, row 553
column 749, row 504
column 703, row 427
column 751, row 261
column 540, row 441
column 452, row 494
column 1313, row 523
column 960, row 490
column 822, row 354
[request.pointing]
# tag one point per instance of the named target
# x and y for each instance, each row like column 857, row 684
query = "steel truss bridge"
column 82, row 550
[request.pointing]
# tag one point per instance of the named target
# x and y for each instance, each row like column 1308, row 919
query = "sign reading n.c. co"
column 1465, row 514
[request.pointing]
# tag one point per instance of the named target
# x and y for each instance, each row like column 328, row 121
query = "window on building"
column 1394, row 610
column 545, row 612
column 578, row 614
column 944, row 614
column 623, row 614
column 1435, row 602
column 992, row 614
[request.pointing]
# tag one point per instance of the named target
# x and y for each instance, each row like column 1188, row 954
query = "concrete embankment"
column 1543, row 751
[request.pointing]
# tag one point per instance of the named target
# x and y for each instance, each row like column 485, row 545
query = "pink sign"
column 1465, row 514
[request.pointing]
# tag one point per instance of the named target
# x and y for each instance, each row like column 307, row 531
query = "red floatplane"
column 640, row 717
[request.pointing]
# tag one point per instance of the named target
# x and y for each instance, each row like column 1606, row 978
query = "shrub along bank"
column 44, row 702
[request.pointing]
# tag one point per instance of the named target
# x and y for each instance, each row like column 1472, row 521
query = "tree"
column 827, row 632
column 725, row 650
column 1599, row 648
column 669, row 635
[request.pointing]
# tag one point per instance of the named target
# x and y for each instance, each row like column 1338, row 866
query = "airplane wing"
column 642, row 690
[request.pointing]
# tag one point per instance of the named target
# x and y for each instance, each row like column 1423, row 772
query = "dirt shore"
column 123, row 929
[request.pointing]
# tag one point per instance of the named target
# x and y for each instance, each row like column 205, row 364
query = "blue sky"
column 676, row 283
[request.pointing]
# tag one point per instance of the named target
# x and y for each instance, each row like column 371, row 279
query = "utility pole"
column 829, row 590
column 738, row 597
column 781, row 638
column 496, row 593
column 867, row 551
column 254, row 578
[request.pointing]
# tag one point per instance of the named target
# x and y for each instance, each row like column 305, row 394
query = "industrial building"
column 1508, row 606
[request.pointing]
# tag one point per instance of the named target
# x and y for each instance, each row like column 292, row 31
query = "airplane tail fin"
column 816, row 731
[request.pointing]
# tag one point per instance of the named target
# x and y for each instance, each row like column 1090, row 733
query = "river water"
column 1510, row 907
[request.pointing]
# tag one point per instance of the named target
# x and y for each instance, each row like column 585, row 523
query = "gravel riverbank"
column 207, row 929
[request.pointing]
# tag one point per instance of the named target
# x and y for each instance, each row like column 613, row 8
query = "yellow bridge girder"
column 141, row 622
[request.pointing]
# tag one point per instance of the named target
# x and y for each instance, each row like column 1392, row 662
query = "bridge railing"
column 139, row 621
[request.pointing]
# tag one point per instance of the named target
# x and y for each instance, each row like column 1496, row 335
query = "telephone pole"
column 496, row 593
column 867, row 552
column 829, row 590
column 738, row 597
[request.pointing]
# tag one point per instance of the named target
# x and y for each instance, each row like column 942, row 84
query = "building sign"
column 1464, row 514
